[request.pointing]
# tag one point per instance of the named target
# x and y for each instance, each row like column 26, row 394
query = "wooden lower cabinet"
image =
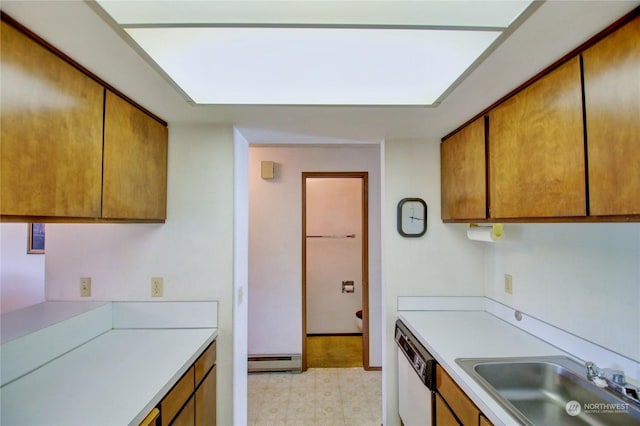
column 192, row 401
column 173, row 401
column 444, row 415
column 187, row 416
column 453, row 406
column 206, row 400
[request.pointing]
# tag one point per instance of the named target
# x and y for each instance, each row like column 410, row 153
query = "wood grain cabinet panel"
column 444, row 416
column 174, row 400
column 135, row 163
column 205, row 362
column 51, row 133
column 186, row 417
column 463, row 408
column 612, row 103
column 205, row 410
column 463, row 174
column 192, row 401
column 536, row 149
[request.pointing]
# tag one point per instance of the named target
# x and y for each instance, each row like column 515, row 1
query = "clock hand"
column 416, row 218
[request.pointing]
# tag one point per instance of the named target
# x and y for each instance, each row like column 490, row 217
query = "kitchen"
column 206, row 159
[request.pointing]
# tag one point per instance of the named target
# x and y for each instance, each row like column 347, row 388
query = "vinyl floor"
column 334, row 351
column 319, row 396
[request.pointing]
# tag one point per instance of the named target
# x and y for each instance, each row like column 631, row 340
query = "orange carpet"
column 334, row 351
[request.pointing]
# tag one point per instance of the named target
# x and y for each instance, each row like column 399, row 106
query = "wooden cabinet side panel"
column 51, row 133
column 612, row 102
column 536, row 149
column 206, row 401
column 459, row 402
column 463, row 173
column 135, row 163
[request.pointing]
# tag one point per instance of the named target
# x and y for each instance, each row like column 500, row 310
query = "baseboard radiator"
column 275, row 362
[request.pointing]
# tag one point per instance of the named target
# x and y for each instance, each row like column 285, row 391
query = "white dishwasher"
column 416, row 379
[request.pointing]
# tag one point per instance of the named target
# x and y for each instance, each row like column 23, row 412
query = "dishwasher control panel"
column 421, row 360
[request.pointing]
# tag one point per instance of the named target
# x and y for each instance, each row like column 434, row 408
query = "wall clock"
column 412, row 217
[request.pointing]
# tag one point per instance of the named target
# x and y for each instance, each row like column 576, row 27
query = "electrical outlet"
column 85, row 287
column 508, row 284
column 157, row 284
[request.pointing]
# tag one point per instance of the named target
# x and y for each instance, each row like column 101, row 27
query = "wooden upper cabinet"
column 612, row 103
column 135, row 163
column 463, row 174
column 51, row 133
column 536, row 149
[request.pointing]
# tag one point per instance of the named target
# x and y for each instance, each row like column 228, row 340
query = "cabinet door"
column 206, row 400
column 444, row 416
column 135, row 163
column 186, row 417
column 463, row 174
column 536, row 149
column 460, row 404
column 51, row 133
column 176, row 397
column 612, row 102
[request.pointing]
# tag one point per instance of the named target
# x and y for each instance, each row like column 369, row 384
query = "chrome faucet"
column 614, row 380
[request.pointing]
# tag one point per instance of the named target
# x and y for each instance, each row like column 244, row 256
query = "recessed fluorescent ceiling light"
column 349, row 60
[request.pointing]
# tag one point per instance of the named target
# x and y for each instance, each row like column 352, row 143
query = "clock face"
column 412, row 217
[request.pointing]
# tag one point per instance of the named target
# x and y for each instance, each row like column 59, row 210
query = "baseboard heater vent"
column 275, row 362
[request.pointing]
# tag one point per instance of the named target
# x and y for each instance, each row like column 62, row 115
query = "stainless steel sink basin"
column 549, row 391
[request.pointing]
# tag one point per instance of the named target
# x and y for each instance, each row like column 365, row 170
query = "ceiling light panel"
column 459, row 13
column 312, row 66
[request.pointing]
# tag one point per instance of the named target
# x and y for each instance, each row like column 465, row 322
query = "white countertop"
column 448, row 335
column 29, row 320
column 114, row 379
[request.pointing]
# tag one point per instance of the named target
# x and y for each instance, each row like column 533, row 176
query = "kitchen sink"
column 550, row 390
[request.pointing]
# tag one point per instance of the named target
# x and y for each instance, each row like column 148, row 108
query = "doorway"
column 335, row 263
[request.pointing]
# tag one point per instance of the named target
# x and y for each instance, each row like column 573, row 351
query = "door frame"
column 364, row 176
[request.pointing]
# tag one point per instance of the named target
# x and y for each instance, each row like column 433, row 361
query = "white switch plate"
column 157, row 284
column 85, row 287
column 508, row 284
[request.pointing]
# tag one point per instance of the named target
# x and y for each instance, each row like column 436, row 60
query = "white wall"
column 193, row 250
column 21, row 274
column 441, row 263
column 334, row 208
column 583, row 278
column 275, row 225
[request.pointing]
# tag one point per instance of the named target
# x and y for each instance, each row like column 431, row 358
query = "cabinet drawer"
column 459, row 402
column 205, row 362
column 177, row 396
